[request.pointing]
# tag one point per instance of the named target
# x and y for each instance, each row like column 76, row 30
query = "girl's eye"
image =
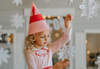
column 42, row 37
column 48, row 36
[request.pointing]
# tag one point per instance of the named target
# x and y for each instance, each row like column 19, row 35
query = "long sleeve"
column 30, row 60
column 55, row 46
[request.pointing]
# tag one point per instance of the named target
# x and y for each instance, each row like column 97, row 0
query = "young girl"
column 38, row 53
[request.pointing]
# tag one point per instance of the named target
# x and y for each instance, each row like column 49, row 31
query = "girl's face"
column 42, row 39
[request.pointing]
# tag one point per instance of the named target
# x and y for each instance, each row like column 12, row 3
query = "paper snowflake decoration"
column 89, row 8
column 1, row 32
column 63, row 53
column 3, row 56
column 70, row 2
column 72, row 51
column 66, row 52
column 98, row 62
column 17, row 2
column 17, row 21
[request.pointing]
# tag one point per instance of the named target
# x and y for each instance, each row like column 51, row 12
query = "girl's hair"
column 29, row 43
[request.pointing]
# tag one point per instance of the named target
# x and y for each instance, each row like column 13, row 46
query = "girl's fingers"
column 65, row 64
column 59, row 62
column 62, row 65
column 70, row 17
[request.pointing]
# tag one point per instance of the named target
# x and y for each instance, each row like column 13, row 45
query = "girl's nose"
column 45, row 38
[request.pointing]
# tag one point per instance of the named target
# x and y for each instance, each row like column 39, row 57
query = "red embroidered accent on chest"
column 42, row 52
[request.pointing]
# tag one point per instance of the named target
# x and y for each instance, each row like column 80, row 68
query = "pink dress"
column 42, row 58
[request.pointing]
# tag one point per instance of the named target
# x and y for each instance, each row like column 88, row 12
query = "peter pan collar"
column 41, row 48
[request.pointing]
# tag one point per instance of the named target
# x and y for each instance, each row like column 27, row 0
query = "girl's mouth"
column 45, row 42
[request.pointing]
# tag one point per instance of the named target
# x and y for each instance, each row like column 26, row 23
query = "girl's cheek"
column 48, row 39
column 42, row 40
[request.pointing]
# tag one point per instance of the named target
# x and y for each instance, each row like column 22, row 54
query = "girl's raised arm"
column 65, row 38
column 55, row 46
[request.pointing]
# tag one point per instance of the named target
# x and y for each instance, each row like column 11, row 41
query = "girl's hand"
column 60, row 65
column 68, row 19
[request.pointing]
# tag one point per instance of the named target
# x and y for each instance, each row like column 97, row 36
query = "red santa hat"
column 37, row 22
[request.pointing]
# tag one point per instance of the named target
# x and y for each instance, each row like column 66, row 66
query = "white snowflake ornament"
column 3, row 56
column 17, row 21
column 71, row 51
column 98, row 62
column 17, row 2
column 63, row 53
column 66, row 52
column 89, row 8
column 70, row 2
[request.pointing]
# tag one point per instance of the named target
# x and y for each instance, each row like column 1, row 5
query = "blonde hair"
column 29, row 43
